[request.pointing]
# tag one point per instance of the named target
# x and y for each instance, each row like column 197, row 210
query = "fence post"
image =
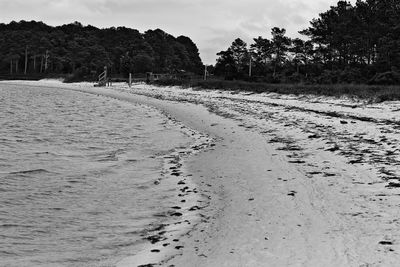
column 105, row 76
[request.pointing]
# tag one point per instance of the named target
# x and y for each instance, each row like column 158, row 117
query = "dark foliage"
column 83, row 51
column 373, row 93
column 347, row 44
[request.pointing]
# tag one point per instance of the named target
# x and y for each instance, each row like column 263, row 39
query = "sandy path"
column 291, row 181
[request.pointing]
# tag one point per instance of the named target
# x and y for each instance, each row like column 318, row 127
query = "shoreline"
column 292, row 180
column 161, row 242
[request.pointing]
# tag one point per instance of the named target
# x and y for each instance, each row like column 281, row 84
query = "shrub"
column 386, row 78
column 351, row 75
column 375, row 93
column 328, row 77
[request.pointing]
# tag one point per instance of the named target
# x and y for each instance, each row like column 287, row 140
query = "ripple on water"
column 77, row 176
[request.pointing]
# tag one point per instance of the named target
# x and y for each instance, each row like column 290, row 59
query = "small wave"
column 8, row 225
column 134, row 232
column 12, row 225
column 121, row 244
column 46, row 153
column 74, row 181
column 132, row 160
column 3, row 165
column 94, row 148
column 56, row 208
column 34, row 171
column 8, row 253
column 108, row 158
column 111, row 156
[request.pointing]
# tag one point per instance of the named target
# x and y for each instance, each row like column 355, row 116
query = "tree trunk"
column 278, row 56
column 45, row 60
column 305, row 67
column 16, row 66
column 11, row 67
column 41, row 64
column 369, row 57
column 26, row 59
column 34, row 63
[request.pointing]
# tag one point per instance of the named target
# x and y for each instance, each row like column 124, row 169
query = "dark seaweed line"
column 326, row 113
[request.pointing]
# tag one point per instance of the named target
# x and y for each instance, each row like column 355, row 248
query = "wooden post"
column 250, row 67
column 105, row 76
column 26, row 59
column 130, row 80
column 205, row 72
column 251, row 51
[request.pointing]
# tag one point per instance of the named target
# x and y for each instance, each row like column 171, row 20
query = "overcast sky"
column 211, row 24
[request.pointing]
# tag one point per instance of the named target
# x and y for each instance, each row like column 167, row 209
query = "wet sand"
column 287, row 180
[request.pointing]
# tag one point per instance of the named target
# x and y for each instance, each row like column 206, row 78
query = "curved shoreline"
column 162, row 242
column 286, row 182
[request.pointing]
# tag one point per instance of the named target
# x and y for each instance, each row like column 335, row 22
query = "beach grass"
column 374, row 93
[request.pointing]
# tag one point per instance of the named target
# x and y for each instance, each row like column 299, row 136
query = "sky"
column 212, row 24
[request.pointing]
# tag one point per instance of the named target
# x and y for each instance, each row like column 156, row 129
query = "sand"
column 287, row 180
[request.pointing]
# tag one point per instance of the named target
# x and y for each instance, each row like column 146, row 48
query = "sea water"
column 78, row 176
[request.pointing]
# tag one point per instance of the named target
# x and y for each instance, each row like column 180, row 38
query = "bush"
column 385, row 78
column 374, row 93
column 295, row 78
column 170, row 82
column 328, row 77
column 351, row 75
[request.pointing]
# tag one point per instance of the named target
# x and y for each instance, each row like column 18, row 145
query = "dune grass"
column 374, row 93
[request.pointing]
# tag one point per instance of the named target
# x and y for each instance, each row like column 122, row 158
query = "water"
column 77, row 175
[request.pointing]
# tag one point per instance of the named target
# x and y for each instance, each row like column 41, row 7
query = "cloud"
column 211, row 24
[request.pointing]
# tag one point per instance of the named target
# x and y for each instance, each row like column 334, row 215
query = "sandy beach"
column 286, row 180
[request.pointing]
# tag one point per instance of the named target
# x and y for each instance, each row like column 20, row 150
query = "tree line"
column 346, row 44
column 31, row 47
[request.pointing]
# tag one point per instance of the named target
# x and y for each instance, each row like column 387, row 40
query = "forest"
column 346, row 44
column 34, row 48
column 357, row 44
